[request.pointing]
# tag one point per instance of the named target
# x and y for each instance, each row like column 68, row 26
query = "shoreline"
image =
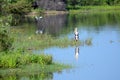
column 81, row 10
column 34, row 13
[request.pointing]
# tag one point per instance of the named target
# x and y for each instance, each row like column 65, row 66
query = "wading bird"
column 76, row 34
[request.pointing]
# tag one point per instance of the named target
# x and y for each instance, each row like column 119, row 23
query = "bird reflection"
column 76, row 52
column 39, row 32
column 39, row 22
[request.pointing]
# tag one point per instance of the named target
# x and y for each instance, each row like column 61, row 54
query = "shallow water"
column 99, row 61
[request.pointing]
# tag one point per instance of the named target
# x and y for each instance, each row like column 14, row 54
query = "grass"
column 14, row 60
column 32, row 69
column 28, row 65
column 38, row 41
column 95, row 9
column 20, row 60
column 81, row 9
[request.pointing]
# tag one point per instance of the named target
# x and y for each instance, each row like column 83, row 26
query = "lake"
column 98, row 61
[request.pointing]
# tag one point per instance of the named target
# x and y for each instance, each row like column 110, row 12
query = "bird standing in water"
column 76, row 34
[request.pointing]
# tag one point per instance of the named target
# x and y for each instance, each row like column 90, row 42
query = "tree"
column 20, row 7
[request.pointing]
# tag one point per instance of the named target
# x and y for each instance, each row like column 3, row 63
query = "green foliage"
column 5, row 38
column 21, row 7
column 33, row 72
column 17, row 59
column 8, row 61
column 76, row 4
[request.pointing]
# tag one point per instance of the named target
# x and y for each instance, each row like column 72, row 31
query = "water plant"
column 14, row 60
column 88, row 41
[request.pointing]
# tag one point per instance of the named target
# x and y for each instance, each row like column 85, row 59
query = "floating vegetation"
column 88, row 41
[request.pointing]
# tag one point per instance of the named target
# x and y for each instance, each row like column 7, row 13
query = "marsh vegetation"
column 22, row 48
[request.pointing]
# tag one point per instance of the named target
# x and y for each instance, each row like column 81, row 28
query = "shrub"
column 5, row 39
column 21, row 7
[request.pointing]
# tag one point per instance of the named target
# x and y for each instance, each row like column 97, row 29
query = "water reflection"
column 40, row 76
column 39, row 22
column 76, row 52
column 99, row 31
column 51, row 24
column 63, row 24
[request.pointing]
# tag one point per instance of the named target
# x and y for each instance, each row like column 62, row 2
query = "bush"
column 5, row 39
column 21, row 7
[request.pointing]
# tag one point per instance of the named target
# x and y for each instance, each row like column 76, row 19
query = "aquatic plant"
column 32, row 41
column 39, row 41
column 88, row 41
column 32, row 70
column 15, row 60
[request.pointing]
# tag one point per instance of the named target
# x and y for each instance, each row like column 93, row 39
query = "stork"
column 76, row 34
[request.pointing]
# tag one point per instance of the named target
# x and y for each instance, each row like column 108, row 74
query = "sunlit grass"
column 95, row 9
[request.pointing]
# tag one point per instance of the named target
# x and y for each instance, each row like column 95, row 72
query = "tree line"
column 73, row 4
column 25, row 6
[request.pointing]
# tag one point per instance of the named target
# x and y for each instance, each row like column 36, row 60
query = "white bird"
column 76, row 34
column 37, row 18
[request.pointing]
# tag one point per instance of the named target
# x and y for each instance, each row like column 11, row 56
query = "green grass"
column 32, row 69
column 95, row 9
column 21, row 61
column 12, row 64
column 32, row 41
column 14, row 60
